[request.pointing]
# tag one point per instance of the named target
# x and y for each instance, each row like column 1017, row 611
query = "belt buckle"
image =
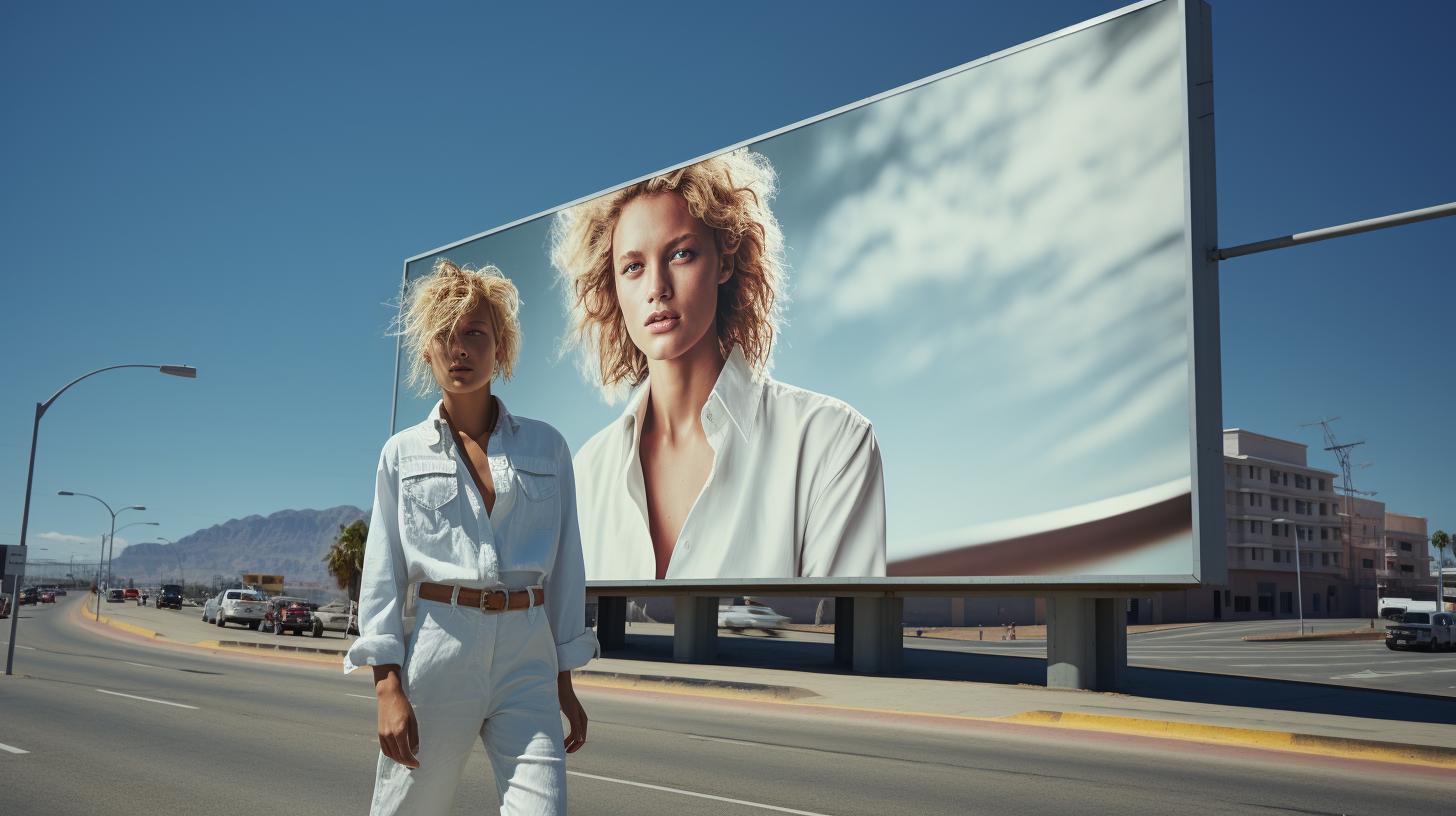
column 486, row 593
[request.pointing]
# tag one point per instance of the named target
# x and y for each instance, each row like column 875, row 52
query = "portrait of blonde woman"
column 674, row 292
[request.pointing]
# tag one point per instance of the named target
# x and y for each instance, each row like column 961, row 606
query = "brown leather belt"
column 486, row 600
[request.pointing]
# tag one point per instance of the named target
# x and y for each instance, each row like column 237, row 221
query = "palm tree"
column 1440, row 540
column 345, row 557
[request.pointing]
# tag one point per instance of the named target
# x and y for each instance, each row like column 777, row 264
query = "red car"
column 132, row 594
column 48, row 597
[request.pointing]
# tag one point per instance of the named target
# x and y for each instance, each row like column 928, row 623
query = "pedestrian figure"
column 478, row 507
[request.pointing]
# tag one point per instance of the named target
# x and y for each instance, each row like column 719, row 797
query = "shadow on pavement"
column 1156, row 684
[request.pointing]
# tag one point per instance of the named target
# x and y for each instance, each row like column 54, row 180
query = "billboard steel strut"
column 1399, row 219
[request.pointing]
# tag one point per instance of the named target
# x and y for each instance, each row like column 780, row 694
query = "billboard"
column 961, row 333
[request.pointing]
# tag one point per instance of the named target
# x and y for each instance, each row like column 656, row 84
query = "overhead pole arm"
column 1399, row 219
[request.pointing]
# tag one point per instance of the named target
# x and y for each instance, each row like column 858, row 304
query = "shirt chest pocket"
column 539, row 507
column 430, row 487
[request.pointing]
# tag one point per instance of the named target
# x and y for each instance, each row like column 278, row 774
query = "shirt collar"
column 504, row 420
column 735, row 394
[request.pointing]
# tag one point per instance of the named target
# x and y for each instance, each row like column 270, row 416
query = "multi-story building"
column 1406, row 558
column 1351, row 551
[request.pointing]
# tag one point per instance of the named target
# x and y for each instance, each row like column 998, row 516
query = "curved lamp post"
column 172, row 545
column 101, row 564
column 40, row 409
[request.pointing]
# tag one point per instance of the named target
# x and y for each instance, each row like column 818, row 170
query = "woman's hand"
column 399, row 734
column 575, row 714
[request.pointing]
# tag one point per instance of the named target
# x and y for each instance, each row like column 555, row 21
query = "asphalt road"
column 113, row 726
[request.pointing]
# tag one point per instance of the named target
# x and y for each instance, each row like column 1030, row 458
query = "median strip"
column 1430, row 755
column 690, row 685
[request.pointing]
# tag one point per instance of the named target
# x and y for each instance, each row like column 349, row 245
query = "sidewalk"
column 1317, row 718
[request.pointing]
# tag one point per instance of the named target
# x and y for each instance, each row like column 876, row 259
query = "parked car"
column 738, row 618
column 4, row 607
column 1422, row 630
column 334, row 617
column 131, row 594
column 170, row 597
column 48, row 597
column 61, row 591
column 289, row 615
column 115, row 596
column 243, row 606
column 29, row 595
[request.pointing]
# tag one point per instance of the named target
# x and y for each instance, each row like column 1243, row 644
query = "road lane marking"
column 143, row 665
column 149, row 699
column 12, row 749
column 363, row 696
column 695, row 793
column 18, row 646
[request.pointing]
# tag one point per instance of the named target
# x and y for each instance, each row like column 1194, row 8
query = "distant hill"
column 290, row 543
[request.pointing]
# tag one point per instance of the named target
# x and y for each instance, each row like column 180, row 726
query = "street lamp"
column 173, row 546
column 1298, row 582
column 40, row 409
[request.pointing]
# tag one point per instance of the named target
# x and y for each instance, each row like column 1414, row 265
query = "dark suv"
column 170, row 596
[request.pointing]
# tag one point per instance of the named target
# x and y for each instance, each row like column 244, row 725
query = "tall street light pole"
column 40, row 409
column 110, row 547
column 1298, row 582
column 172, row 545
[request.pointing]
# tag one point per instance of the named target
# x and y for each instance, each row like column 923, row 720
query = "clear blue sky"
column 234, row 186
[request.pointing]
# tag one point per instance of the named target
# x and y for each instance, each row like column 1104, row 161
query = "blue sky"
column 234, row 186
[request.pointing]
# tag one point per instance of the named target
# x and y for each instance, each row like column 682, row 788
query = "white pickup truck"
column 1431, row 631
column 242, row 606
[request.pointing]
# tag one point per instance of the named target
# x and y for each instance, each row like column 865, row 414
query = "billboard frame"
column 1209, row 562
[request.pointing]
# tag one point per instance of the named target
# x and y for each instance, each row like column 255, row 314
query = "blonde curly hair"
column 728, row 193
column 432, row 305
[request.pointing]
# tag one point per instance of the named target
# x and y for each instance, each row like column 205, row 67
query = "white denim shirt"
column 796, row 489
column 430, row 524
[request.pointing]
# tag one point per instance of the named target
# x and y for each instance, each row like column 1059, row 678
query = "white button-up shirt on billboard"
column 796, row 489
column 430, row 524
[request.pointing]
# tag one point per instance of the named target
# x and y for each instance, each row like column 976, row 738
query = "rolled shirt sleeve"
column 845, row 532
column 383, row 592
column 566, row 582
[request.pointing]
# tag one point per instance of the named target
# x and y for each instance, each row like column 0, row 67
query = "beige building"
column 1350, row 550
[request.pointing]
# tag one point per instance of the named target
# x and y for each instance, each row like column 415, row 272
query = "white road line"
column 143, row 665
column 12, row 749
column 18, row 646
column 734, row 741
column 148, row 699
column 694, row 793
column 364, row 696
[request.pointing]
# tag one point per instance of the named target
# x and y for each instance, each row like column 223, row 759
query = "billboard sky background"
column 233, row 187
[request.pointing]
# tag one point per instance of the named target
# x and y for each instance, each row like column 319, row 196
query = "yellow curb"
column 217, row 646
column 1428, row 755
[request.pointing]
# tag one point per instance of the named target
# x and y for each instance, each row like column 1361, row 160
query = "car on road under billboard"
column 1431, row 631
column 739, row 618
column 170, row 597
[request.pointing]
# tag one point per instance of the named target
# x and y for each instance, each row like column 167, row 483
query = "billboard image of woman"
column 674, row 288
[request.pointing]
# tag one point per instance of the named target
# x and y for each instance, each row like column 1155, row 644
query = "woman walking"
column 478, row 507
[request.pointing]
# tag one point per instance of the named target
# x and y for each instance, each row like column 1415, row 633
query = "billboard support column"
column 695, row 630
column 1111, row 646
column 612, row 622
column 844, row 632
column 878, row 638
column 1071, row 643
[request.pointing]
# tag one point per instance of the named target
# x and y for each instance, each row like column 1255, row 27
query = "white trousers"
column 488, row 674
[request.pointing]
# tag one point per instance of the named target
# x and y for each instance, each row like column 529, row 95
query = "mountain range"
column 291, row 543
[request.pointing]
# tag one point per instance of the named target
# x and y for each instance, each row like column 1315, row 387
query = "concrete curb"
column 1428, row 755
column 116, row 624
column 242, row 644
column 691, row 685
column 1358, row 634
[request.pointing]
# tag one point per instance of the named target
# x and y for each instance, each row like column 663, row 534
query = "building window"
column 1405, row 546
column 1321, row 485
column 1286, row 602
column 1324, row 534
column 1273, row 476
column 1301, row 507
column 1256, row 527
column 1323, row 508
column 1324, row 559
column 1227, row 596
column 1286, row 505
column 1266, row 603
column 1367, row 563
column 1407, row 569
column 1256, row 554
column 1307, row 559
column 1241, row 603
